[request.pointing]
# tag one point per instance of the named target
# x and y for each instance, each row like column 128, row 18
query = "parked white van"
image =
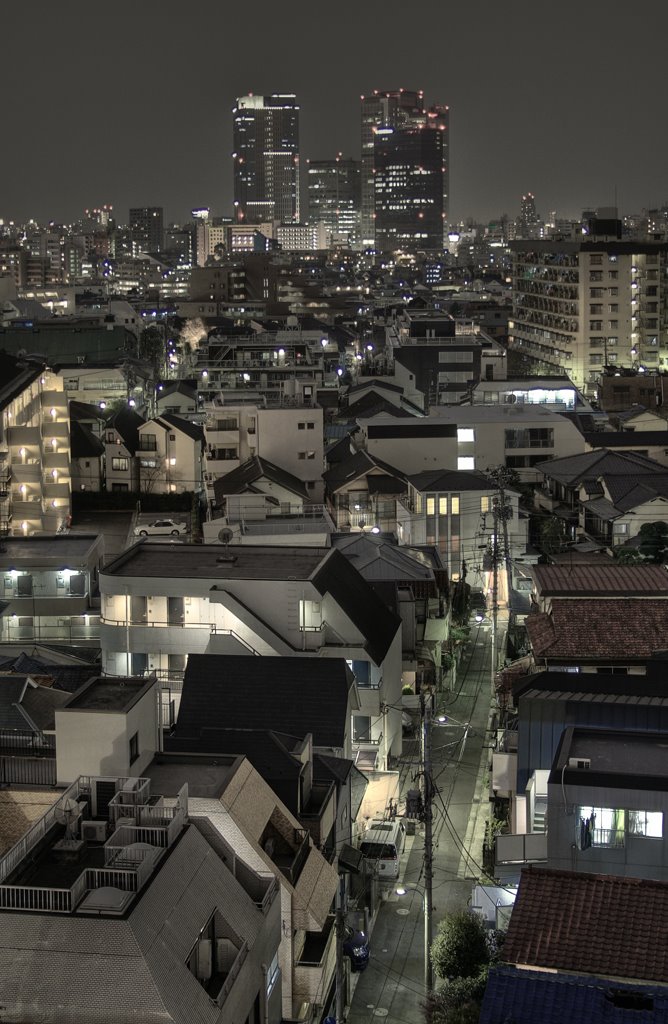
column 382, row 845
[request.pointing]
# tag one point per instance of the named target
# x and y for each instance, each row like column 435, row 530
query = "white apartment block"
column 582, row 304
column 292, row 437
column 473, row 438
column 161, row 603
column 170, row 455
column 35, row 483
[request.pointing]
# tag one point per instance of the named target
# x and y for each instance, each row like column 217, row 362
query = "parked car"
column 164, row 527
column 356, row 948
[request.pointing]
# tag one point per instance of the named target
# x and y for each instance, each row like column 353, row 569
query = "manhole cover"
column 380, row 1011
column 404, row 911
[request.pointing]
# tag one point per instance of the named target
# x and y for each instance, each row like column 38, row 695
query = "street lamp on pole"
column 403, row 890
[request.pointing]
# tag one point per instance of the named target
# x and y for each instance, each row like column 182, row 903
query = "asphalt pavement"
column 392, row 987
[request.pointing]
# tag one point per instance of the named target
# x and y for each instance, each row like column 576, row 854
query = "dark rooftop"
column 109, row 693
column 209, row 561
column 609, row 579
column 56, row 547
column 637, row 760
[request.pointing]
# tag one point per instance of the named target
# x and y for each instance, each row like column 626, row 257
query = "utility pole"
column 425, row 709
column 502, row 512
column 495, row 585
column 340, row 924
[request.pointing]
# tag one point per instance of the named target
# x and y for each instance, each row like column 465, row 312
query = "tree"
column 551, row 536
column 460, row 948
column 627, row 556
column 458, row 1002
column 654, row 542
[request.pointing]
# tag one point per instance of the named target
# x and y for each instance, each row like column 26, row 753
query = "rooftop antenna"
column 67, row 814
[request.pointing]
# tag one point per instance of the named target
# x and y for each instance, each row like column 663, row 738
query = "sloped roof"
column 192, row 430
column 605, row 628
column 584, row 580
column 572, row 469
column 85, row 411
column 358, row 464
column 628, row 490
column 589, row 924
column 127, row 423
column 64, row 969
column 451, row 480
column 83, row 442
column 241, row 479
column 377, row 624
column 542, row 997
column 375, row 559
column 292, row 695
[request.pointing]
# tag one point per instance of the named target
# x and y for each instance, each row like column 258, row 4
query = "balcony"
column 288, row 856
column 316, row 963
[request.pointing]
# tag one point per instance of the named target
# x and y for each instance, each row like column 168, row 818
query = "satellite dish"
column 67, row 813
column 225, row 535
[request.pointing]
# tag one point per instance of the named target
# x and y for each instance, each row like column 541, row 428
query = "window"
column 465, row 434
column 442, row 506
column 454, row 504
column 485, row 503
column 465, row 462
column 595, row 275
column 305, row 455
column 595, row 325
column 148, row 442
column 306, row 426
column 120, row 465
column 273, row 974
column 119, row 487
column 596, row 293
column 599, row 826
column 612, row 342
column 431, row 505
column 532, row 437
column 172, row 437
column 645, row 823
column 596, row 307
column 133, row 750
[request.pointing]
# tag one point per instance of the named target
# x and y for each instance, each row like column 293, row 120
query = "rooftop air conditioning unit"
column 579, row 762
column 94, row 830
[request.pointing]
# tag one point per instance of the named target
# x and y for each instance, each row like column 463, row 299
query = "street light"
column 402, row 890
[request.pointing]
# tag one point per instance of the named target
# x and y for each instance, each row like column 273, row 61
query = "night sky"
column 130, row 103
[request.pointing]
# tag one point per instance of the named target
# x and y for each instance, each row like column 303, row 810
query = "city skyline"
column 115, row 113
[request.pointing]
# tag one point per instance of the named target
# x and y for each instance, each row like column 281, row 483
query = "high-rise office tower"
column 266, row 158
column 408, row 187
column 334, row 198
column 397, row 110
column 146, row 228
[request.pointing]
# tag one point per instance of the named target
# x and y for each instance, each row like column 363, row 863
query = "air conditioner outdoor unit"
column 94, row 830
column 579, row 762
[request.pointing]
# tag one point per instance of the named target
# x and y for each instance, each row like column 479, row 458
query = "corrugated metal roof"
column 581, row 580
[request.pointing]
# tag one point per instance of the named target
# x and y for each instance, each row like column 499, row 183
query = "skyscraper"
column 334, row 198
column 146, row 228
column 266, row 158
column 408, row 188
column 397, row 110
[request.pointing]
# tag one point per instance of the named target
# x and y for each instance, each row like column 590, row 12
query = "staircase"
column 540, row 820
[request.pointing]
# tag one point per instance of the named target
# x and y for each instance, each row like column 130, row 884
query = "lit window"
column 645, row 823
column 485, row 503
column 442, row 506
column 454, row 505
column 465, row 434
column 431, row 506
column 466, row 462
column 310, row 615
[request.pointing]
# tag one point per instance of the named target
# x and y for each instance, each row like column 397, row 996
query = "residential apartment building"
column 580, row 304
column 607, row 804
column 161, row 603
column 290, row 436
column 48, row 589
column 171, row 925
column 35, row 484
column 473, row 438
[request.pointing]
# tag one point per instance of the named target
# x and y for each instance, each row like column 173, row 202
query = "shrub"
column 460, row 948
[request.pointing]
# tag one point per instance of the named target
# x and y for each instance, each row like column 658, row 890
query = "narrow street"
column 392, row 987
